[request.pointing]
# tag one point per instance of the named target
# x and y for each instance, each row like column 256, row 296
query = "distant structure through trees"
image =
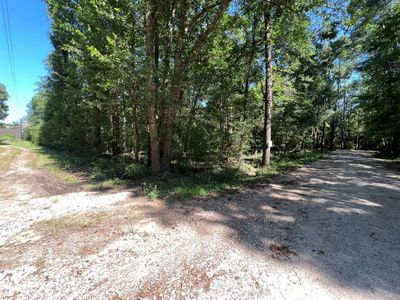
column 17, row 132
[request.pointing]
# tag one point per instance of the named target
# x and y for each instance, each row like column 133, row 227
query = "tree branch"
column 204, row 36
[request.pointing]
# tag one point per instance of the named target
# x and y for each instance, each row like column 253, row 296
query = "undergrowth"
column 105, row 172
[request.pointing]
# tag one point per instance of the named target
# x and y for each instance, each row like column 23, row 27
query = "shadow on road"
column 340, row 215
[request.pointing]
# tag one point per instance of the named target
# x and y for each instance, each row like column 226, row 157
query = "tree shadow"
column 340, row 215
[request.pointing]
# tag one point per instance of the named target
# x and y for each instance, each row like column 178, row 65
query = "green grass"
column 7, row 158
column 44, row 159
column 12, row 140
column 47, row 162
column 201, row 190
column 211, row 182
column 103, row 173
column 106, row 184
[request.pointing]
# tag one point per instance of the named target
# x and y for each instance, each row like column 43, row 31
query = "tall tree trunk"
column 333, row 129
column 97, row 130
column 136, row 142
column 173, row 100
column 247, row 83
column 357, row 146
column 333, row 121
column 135, row 121
column 315, row 137
column 323, row 138
column 267, row 143
column 151, row 91
column 116, row 132
column 344, row 120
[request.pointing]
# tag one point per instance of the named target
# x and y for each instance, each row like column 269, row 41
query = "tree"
column 3, row 102
column 376, row 32
column 35, row 115
column 192, row 84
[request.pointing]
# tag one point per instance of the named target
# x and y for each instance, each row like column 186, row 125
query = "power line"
column 11, row 50
column 10, row 47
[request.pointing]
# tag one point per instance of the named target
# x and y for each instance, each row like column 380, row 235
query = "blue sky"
column 30, row 37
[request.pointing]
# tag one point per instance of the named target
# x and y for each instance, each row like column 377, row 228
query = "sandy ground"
column 330, row 230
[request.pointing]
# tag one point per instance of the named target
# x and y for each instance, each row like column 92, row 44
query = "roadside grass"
column 49, row 162
column 12, row 140
column 210, row 182
column 8, row 157
column 45, row 159
column 99, row 173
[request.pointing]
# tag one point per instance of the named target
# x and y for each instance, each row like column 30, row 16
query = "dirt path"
column 330, row 230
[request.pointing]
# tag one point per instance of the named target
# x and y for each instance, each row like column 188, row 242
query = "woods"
column 200, row 149
column 200, row 84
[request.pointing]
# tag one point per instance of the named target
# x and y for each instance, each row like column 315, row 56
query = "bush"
column 107, row 168
column 151, row 191
column 135, row 171
column 229, row 175
column 32, row 133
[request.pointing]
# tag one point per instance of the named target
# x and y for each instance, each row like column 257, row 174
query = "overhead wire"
column 11, row 43
column 10, row 46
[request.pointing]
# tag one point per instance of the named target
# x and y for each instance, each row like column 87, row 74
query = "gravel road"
column 329, row 230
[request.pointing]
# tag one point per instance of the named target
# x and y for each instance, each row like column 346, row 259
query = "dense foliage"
column 196, row 83
column 377, row 32
column 3, row 102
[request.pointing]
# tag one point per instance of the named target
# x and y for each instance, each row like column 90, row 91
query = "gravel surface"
column 329, row 230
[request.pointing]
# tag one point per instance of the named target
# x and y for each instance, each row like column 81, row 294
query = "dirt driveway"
column 330, row 230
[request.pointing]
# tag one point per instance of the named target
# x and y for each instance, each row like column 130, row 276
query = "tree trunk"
column 332, row 133
column 173, row 100
column 151, row 91
column 267, row 143
column 116, row 132
column 247, row 84
column 170, row 113
column 97, row 130
column 135, row 121
column 357, row 141
column 344, row 118
column 136, row 143
column 333, row 122
column 323, row 138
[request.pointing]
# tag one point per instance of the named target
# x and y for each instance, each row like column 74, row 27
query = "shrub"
column 151, row 191
column 135, row 171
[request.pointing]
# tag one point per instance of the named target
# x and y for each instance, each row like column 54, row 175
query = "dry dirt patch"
column 80, row 234
column 21, row 181
column 193, row 278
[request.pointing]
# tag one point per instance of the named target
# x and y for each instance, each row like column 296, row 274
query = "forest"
column 200, row 149
column 202, row 84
